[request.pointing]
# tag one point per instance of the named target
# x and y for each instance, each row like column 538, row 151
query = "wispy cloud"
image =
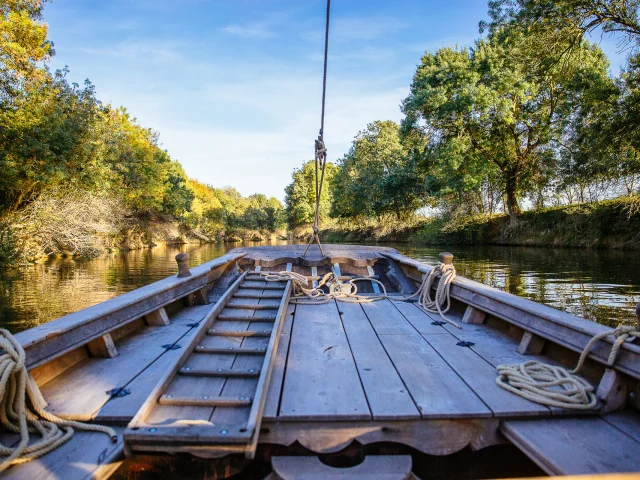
column 249, row 31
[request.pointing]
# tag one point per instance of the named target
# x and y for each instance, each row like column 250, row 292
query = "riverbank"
column 611, row 224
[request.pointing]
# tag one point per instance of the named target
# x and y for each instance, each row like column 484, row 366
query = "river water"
column 603, row 286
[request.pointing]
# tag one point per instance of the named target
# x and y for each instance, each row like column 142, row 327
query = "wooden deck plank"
column 80, row 391
column 387, row 395
column 421, row 320
column 481, row 378
column 627, row 421
column 386, row 319
column 321, row 381
column 434, row 386
column 87, row 455
column 572, row 446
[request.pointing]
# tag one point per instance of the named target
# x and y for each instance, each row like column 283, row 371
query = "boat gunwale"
column 462, row 287
column 39, row 335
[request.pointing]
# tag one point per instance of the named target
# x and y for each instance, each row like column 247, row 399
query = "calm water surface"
column 602, row 286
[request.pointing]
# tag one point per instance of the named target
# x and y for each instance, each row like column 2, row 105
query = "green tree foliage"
column 492, row 113
column 379, row 174
column 300, row 195
column 56, row 136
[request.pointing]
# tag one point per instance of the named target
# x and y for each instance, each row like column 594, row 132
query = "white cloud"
column 249, row 30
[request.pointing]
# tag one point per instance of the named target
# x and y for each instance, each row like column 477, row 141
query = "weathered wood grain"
column 572, row 446
column 321, row 381
column 386, row 319
column 480, row 376
column 434, row 386
column 386, row 393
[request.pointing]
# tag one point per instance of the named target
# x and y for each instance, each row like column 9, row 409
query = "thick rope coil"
column 18, row 417
column 557, row 386
column 443, row 296
column 317, row 296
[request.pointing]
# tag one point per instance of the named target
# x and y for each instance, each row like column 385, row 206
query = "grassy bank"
column 608, row 224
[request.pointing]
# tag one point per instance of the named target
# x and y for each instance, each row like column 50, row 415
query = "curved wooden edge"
column 567, row 330
column 373, row 466
column 432, row 437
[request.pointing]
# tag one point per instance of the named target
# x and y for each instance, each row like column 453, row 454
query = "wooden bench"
column 582, row 445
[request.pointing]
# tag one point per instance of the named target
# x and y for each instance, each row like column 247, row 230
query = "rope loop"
column 556, row 386
column 441, row 303
column 19, row 416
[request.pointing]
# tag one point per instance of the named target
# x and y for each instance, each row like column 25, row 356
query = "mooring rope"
column 303, row 295
column 556, row 386
column 443, row 295
column 19, row 417
column 317, row 296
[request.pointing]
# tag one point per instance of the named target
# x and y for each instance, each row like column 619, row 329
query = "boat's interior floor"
column 336, row 362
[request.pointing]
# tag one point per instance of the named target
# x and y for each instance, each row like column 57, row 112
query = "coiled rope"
column 440, row 304
column 316, row 296
column 556, row 386
column 442, row 297
column 19, row 417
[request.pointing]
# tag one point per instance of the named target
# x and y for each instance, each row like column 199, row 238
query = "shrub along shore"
column 613, row 224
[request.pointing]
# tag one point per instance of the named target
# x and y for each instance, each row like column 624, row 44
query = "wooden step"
column 575, row 446
column 230, row 350
column 258, row 295
column 262, row 287
column 256, row 278
column 205, row 401
column 254, row 306
column 238, row 333
column 246, row 318
column 380, row 467
column 220, row 372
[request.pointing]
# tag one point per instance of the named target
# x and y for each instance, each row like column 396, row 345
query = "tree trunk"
column 512, row 200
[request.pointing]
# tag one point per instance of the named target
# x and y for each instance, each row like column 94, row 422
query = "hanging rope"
column 320, row 149
column 19, row 417
column 557, row 386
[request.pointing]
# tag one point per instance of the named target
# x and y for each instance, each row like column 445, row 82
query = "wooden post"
column 531, row 344
column 158, row 318
column 200, row 298
column 446, row 258
column 612, row 391
column 42, row 403
column 102, row 347
column 473, row 316
column 183, row 265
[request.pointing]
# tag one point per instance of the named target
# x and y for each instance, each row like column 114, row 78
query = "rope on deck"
column 440, row 304
column 556, row 386
column 24, row 418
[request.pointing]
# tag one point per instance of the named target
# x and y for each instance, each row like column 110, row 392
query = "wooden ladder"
column 211, row 400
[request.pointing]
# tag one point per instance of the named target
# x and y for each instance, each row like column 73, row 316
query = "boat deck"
column 384, row 371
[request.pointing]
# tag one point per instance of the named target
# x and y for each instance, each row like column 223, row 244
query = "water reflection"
column 603, row 286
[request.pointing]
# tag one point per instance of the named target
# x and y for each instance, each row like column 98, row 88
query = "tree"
column 379, row 174
column 300, row 196
column 490, row 109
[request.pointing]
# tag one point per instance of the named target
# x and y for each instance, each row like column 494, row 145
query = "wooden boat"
column 215, row 361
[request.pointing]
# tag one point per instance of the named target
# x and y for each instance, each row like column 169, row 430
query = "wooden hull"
column 342, row 374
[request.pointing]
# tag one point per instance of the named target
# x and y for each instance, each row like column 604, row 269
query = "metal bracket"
column 118, row 392
column 171, row 346
column 465, row 344
column 437, row 323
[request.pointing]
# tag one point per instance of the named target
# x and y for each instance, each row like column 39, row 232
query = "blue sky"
column 234, row 86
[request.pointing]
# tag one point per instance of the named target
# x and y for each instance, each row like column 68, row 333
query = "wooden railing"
column 538, row 320
column 53, row 339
